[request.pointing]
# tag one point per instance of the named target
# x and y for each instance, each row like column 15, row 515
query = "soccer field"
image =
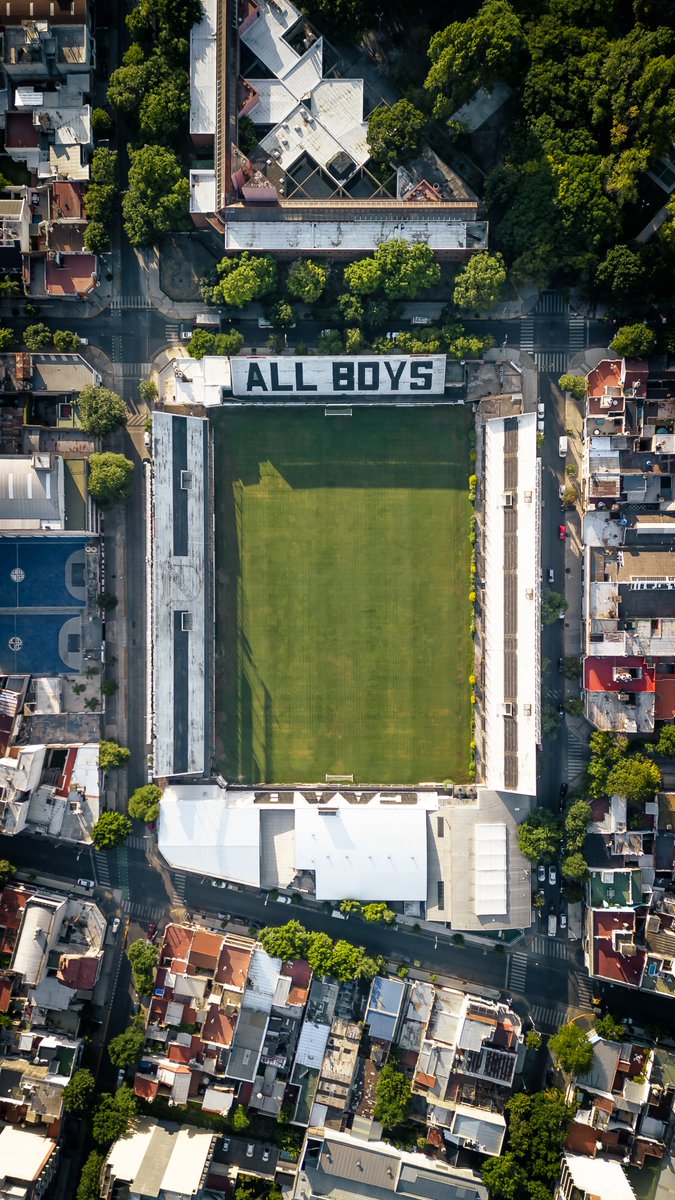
column 342, row 584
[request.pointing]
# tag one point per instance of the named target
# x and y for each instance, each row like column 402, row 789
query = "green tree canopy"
column 340, row 959
column 164, row 111
column 536, row 1132
column 240, row 1119
column 127, row 1047
column 7, row 872
column 611, row 1029
column 539, row 837
column 202, row 342
column 576, row 385
column 476, row 53
column 143, row 957
column 606, row 749
column 333, row 17
column 307, row 280
column 96, row 238
column 89, row 1187
column 666, row 742
column 244, row 278
column 637, row 778
column 363, row 277
column 575, row 867
column 577, row 820
column 396, row 133
column 572, row 1049
column 79, row 1092
column 407, row 268
column 7, row 339
column 480, row 284
column 101, row 202
column 101, row 410
column 37, row 337
column 634, row 341
column 393, row 1097
column 101, row 122
column 505, row 1178
column 621, row 278
column 552, row 605
column 111, row 829
column 103, row 167
column 112, row 1116
column 111, row 755
column 144, row 803
column 109, row 479
column 66, row 342
column 157, row 198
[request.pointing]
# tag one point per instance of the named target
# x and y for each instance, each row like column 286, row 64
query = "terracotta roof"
column 233, row 965
column 67, row 201
column 599, row 675
column 180, row 1054
column 66, row 12
column 604, row 1103
column 205, row 950
column 664, row 709
column 300, row 974
column 606, row 374
column 581, row 1139
column 218, row 1027
column 146, row 1088
column 5, row 994
column 176, row 942
column 609, row 963
column 78, row 971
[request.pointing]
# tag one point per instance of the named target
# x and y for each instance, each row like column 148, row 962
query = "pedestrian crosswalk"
column 548, row 1019
column 179, row 887
column 577, row 328
column 551, row 303
column 172, row 333
column 549, row 947
column 116, row 349
column 577, row 758
column 143, row 912
column 527, row 334
column 516, row 972
column 135, row 370
column 552, row 362
column 122, row 302
column 584, row 991
column 102, row 868
column 137, row 841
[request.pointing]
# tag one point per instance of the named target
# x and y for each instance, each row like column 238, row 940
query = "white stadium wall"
column 413, row 375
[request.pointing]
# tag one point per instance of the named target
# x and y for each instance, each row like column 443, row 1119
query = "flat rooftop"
column 360, row 234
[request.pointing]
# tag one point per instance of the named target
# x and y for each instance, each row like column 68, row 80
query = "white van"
column 552, row 924
column 562, row 446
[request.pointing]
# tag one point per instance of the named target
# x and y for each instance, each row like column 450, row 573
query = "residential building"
column 35, row 1067
column 306, row 187
column 50, row 790
column 592, row 1179
column 28, row 1163
column 159, row 1161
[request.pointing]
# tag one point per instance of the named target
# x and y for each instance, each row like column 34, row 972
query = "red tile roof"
column 180, row 1054
column 176, row 942
column 146, row 1088
column 300, row 973
column 233, row 965
column 606, row 374
column 78, row 971
column 599, row 675
column 664, row 708
column 5, row 994
column 67, row 201
column 218, row 1027
column 204, row 951
column 609, row 963
column 13, row 901
column 635, row 375
column 73, row 277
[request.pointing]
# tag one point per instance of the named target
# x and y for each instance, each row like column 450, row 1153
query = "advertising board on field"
column 392, row 375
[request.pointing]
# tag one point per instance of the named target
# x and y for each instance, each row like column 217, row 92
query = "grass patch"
column 342, row 568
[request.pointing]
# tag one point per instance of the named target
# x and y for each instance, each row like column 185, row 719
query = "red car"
column 152, row 930
column 562, row 532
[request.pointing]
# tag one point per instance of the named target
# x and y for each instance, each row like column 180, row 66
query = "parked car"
column 541, row 410
column 115, row 926
column 564, row 788
column 561, row 665
column 249, row 1150
column 147, row 438
column 561, row 710
column 283, row 899
column 541, row 873
column 120, row 1077
column 552, row 876
column 563, row 920
column 86, row 883
column 561, row 490
column 562, row 446
column 550, row 575
column 266, row 1154
column 84, row 341
column 225, row 1143
column 185, row 334
column 563, row 532
column 219, row 883
column 552, row 925
column 420, row 319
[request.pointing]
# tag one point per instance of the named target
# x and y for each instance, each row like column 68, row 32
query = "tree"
column 460, row 345
column 539, row 836
column 363, row 277
column 112, row 1116
column 147, row 390
column 157, row 198
column 378, row 911
column 476, row 53
column 575, row 867
column 101, row 203
column 245, row 278
column 281, row 314
column 109, row 479
column 164, row 111
column 552, row 605
column 320, row 953
column 537, row 1128
column 89, row 1187
column 111, row 755
column 335, row 16
column 505, row 1178
column 621, row 277
column 7, row 337
column 287, row 942
column 396, row 133
column 577, row 820
column 79, row 1092
column 330, row 342
column 240, row 1119
column 606, row 749
column 7, row 872
column 307, row 280
column 66, row 342
column 103, row 167
column 634, row 341
column 143, row 957
column 611, row 1029
column 576, row 385
column 37, row 337
column 480, row 284
column 572, row 1049
column 533, row 1040
column 111, row 829
column 351, row 308
column 96, row 238
column 101, row 410
column 666, row 742
column 407, row 268
column 127, row 1047
column 144, row 803
column 393, row 1097
column 570, row 495
column 637, row 778
column 101, row 122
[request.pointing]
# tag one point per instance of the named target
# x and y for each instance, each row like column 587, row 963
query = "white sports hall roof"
column 201, row 829
column 490, row 869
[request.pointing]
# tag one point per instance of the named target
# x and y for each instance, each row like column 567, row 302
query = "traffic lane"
column 45, row 856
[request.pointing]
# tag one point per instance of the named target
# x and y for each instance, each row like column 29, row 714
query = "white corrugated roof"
column 445, row 234
column 23, row 1154
column 490, row 851
column 200, row 831
column 312, row 1045
column 203, row 91
column 599, row 1177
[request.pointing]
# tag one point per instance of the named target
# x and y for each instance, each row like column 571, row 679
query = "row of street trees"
column 339, row 959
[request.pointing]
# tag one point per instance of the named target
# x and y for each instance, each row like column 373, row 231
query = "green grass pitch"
column 342, row 595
